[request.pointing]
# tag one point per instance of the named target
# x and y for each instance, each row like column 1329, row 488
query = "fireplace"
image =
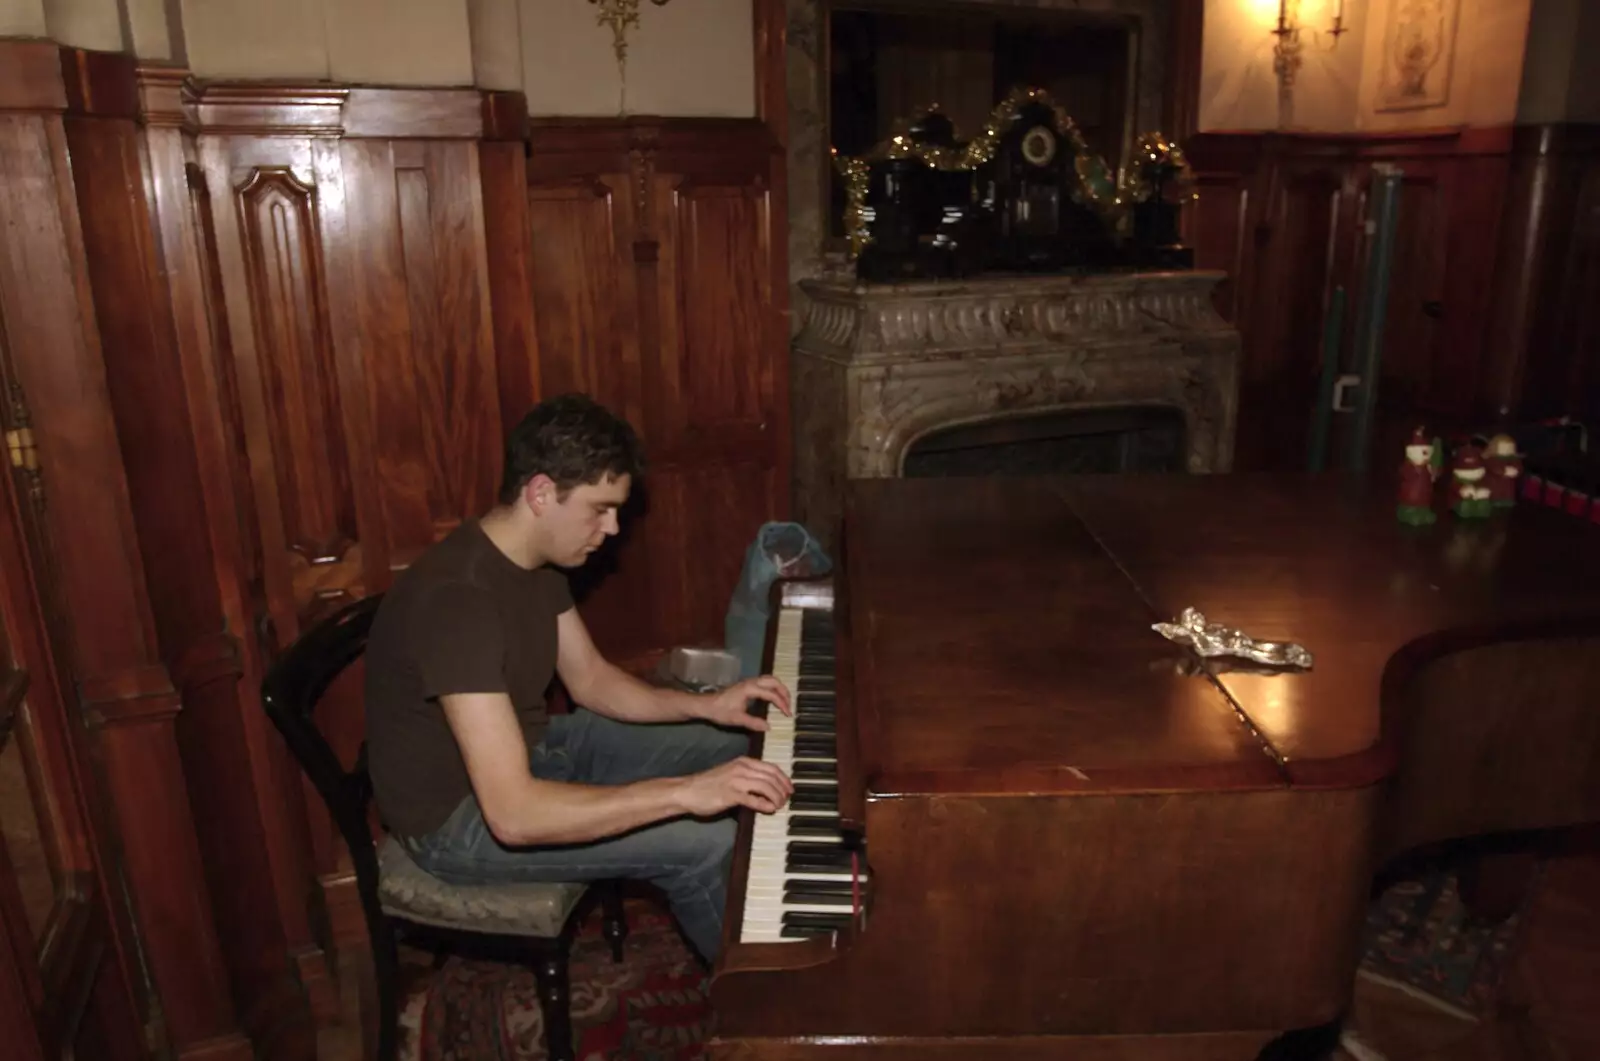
column 1109, row 372
column 1063, row 442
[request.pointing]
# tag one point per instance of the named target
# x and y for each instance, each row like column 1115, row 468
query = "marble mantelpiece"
column 878, row 366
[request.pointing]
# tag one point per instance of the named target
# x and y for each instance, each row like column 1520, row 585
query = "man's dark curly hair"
column 574, row 440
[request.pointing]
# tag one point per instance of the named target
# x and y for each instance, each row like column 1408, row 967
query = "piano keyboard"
column 802, row 867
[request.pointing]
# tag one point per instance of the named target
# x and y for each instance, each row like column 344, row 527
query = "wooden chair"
column 398, row 896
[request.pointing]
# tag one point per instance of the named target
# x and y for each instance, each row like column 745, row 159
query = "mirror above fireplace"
column 888, row 62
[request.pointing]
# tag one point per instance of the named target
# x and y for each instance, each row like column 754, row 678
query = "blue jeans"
column 688, row 858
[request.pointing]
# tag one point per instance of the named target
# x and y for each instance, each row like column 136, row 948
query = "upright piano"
column 1026, row 825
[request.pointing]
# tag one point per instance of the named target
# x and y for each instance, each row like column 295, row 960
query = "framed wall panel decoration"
column 1419, row 44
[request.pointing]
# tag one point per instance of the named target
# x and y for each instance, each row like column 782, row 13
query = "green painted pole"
column 1322, row 415
column 1369, row 342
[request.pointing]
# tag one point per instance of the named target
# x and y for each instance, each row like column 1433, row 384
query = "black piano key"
column 824, row 852
column 815, row 747
column 811, row 724
column 821, row 847
column 800, row 865
column 814, row 825
column 817, row 919
column 815, row 799
column 805, row 770
column 802, row 882
column 803, row 931
column 818, row 898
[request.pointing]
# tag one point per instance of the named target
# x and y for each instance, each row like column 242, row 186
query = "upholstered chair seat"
column 409, row 892
column 396, row 894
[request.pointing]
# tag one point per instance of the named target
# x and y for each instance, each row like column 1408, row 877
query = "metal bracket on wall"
column 1341, row 393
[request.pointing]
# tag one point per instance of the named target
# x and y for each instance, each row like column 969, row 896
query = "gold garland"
column 1154, row 151
column 1095, row 185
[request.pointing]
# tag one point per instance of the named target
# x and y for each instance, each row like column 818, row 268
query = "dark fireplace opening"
column 1062, row 442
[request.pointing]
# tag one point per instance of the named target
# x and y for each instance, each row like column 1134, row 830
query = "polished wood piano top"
column 1057, row 834
column 1003, row 639
column 995, row 639
column 1322, row 560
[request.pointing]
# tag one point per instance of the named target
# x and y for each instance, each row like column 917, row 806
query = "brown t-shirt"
column 462, row 619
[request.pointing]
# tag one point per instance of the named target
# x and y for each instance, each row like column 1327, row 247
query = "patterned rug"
column 653, row 1005
column 1420, row 937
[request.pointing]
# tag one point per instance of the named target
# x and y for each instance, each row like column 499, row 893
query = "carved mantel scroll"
column 877, row 367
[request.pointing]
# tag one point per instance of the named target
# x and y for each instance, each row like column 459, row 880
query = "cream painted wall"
column 687, row 58
column 153, row 34
column 1485, row 74
column 22, row 18
column 1338, row 90
column 92, row 24
column 139, row 26
column 389, row 42
column 496, row 27
column 1238, row 88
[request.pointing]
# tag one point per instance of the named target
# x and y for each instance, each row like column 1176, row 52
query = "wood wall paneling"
column 252, row 816
column 353, row 271
column 145, row 382
column 1545, row 329
column 69, row 984
column 96, row 568
column 1285, row 215
column 309, row 297
column 659, row 284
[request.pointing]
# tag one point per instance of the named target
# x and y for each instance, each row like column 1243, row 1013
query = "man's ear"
column 540, row 493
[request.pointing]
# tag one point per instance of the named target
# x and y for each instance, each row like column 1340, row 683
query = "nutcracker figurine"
column 1417, row 476
column 1505, row 464
column 1470, row 492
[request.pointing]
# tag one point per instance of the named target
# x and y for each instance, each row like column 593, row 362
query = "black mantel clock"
column 1024, row 194
column 1042, row 218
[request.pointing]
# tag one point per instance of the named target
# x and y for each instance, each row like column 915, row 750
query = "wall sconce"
column 1286, row 54
column 621, row 15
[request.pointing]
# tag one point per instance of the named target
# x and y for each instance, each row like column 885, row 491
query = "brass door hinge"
column 19, row 444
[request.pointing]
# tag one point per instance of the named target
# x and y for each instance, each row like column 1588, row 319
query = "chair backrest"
column 290, row 692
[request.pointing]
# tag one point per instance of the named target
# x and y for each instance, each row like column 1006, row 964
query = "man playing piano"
column 468, row 770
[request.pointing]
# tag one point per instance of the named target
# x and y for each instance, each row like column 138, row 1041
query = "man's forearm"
column 619, row 695
column 556, row 812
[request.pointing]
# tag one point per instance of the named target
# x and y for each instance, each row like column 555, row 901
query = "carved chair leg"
column 550, row 969
column 616, row 921
column 386, row 967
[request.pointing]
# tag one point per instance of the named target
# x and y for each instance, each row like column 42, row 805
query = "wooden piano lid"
column 1002, row 626
column 998, row 649
column 1322, row 560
